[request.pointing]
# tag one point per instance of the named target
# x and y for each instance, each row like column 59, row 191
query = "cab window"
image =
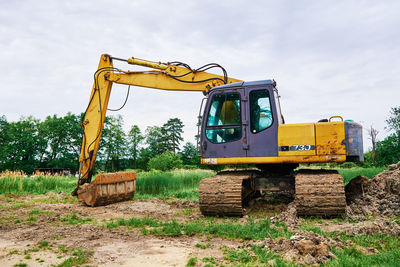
column 224, row 119
column 260, row 111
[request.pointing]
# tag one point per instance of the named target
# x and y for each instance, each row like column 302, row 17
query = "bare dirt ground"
column 105, row 247
column 34, row 230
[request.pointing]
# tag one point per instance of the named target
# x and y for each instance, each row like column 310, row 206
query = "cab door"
column 223, row 132
column 262, row 119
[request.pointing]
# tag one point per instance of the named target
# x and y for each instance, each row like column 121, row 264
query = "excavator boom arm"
column 165, row 76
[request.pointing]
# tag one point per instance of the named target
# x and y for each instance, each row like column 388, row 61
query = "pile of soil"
column 306, row 248
column 289, row 217
column 377, row 196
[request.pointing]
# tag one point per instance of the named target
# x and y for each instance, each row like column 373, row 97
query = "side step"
column 108, row 188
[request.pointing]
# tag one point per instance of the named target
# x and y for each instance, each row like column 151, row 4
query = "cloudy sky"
column 328, row 57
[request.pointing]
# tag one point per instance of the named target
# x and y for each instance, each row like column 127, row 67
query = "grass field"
column 178, row 183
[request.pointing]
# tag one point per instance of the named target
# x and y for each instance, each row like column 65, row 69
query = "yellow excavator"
column 242, row 124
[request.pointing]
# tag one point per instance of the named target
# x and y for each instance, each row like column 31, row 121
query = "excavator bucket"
column 108, row 188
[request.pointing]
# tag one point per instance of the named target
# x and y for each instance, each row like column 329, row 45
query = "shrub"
column 165, row 161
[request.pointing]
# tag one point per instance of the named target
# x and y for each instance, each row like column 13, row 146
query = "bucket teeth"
column 108, row 188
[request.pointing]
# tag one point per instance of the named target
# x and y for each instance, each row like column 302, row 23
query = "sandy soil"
column 110, row 247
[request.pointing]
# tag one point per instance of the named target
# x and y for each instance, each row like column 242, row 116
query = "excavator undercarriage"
column 316, row 192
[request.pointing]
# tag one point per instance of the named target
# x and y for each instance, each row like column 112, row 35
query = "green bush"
column 165, row 161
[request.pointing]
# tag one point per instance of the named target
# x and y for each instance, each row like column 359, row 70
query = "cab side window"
column 260, row 111
column 224, row 118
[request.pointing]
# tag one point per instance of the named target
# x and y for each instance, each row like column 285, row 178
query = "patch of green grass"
column 186, row 212
column 43, row 244
column 20, row 264
column 63, row 249
column 388, row 247
column 34, row 211
column 73, row 218
column 192, row 262
column 255, row 256
column 72, row 261
column 352, row 257
column 203, row 246
column 209, row 259
column 250, row 231
column 349, row 174
column 31, row 220
column 81, row 252
column 14, row 252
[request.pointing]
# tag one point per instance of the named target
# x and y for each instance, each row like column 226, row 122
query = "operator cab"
column 241, row 120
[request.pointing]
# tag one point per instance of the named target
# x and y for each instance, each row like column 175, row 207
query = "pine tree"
column 173, row 133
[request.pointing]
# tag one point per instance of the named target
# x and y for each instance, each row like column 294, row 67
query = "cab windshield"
column 224, row 118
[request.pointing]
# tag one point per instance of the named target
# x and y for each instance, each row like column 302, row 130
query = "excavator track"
column 319, row 192
column 225, row 193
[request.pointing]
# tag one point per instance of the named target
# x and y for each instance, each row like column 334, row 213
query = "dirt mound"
column 289, row 217
column 305, row 248
column 377, row 196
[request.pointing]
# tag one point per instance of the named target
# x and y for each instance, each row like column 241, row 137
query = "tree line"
column 55, row 142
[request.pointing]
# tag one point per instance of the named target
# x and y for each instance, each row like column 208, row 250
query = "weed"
column 186, row 212
column 242, row 256
column 72, row 261
column 27, row 257
column 256, row 256
column 63, row 249
column 209, row 259
column 203, row 246
column 34, row 211
column 20, row 265
column 31, row 220
column 13, row 252
column 192, row 262
column 43, row 244
column 74, row 219
column 251, row 231
column 352, row 257
column 81, row 252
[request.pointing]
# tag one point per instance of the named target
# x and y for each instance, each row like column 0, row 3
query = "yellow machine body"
column 305, row 143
